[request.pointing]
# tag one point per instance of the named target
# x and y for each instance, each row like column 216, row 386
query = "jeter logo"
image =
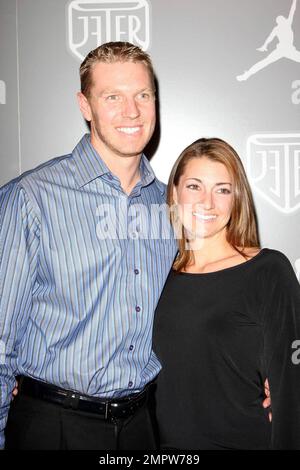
column 273, row 166
column 94, row 22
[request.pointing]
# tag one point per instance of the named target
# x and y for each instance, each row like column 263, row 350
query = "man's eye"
column 144, row 96
column 112, row 98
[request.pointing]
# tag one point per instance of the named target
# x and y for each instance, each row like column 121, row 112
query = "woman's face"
column 204, row 197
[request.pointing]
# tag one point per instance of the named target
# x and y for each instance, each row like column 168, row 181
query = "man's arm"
column 292, row 12
column 19, row 240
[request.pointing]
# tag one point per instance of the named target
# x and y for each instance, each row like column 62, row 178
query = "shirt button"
column 131, row 347
column 130, row 384
column 134, row 235
column 137, row 308
column 136, row 271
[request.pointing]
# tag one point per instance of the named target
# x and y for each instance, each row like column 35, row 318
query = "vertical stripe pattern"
column 80, row 276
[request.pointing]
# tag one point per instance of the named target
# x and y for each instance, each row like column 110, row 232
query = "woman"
column 227, row 318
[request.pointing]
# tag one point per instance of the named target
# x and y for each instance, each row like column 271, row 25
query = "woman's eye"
column 224, row 191
column 193, row 186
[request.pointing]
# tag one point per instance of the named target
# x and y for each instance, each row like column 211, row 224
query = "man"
column 81, row 274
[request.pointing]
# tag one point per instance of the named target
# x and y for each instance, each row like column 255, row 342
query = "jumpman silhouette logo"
column 284, row 48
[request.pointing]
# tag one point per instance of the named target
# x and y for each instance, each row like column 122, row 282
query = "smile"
column 129, row 130
column 204, row 217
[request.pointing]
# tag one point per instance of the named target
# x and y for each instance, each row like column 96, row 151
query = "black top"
column 218, row 336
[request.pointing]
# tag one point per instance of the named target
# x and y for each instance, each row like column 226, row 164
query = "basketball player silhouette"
column 284, row 49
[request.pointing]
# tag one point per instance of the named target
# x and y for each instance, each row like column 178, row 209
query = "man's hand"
column 267, row 401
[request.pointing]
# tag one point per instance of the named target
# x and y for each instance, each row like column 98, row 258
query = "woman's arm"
column 281, row 328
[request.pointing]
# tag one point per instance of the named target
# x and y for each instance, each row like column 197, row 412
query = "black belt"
column 109, row 408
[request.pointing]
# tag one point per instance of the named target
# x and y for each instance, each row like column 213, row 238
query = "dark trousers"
column 34, row 424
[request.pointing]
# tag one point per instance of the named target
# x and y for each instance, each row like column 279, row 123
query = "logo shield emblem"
column 273, row 167
column 94, row 22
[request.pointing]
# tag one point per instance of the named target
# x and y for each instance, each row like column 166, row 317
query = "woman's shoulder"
column 269, row 253
column 276, row 264
column 276, row 256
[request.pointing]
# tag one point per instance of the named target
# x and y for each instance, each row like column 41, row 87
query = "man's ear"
column 84, row 106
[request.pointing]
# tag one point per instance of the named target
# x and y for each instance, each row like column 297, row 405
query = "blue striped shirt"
column 82, row 265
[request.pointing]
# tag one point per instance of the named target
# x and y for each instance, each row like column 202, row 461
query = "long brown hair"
column 242, row 227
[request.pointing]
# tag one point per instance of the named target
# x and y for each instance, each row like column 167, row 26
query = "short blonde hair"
column 109, row 53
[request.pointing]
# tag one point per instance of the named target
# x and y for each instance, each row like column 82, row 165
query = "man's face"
column 121, row 108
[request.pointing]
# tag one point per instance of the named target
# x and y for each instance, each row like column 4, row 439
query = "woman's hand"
column 267, row 400
column 15, row 390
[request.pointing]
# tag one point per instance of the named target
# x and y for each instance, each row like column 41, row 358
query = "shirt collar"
column 148, row 175
column 89, row 165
